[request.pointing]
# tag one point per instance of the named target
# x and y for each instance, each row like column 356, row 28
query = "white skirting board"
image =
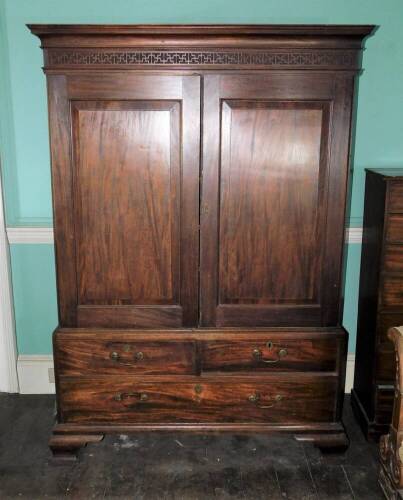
column 349, row 373
column 36, row 374
column 30, row 235
column 44, row 235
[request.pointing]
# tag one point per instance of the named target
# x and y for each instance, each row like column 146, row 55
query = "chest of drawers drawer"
column 396, row 197
column 394, row 228
column 269, row 354
column 291, row 398
column 111, row 356
column 393, row 258
column 385, row 364
column 391, row 292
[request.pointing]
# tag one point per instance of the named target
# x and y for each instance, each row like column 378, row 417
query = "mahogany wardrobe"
column 199, row 183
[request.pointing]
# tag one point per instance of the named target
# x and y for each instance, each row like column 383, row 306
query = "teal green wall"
column 351, row 293
column 34, row 287
column 23, row 118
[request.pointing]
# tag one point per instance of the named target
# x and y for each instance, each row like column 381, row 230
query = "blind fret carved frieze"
column 294, row 59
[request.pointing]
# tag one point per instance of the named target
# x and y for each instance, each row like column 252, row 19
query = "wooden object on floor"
column 391, row 445
column 380, row 300
column 199, row 184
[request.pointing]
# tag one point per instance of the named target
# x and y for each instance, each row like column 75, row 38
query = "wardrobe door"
column 125, row 157
column 275, row 161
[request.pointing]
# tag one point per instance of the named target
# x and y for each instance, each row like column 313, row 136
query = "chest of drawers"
column 199, row 185
column 380, row 300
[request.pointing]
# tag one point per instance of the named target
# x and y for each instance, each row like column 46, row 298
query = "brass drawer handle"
column 115, row 356
column 255, row 398
column 120, row 396
column 257, row 354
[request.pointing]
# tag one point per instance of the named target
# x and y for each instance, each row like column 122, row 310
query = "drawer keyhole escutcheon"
column 255, row 399
column 198, row 389
column 258, row 354
column 139, row 356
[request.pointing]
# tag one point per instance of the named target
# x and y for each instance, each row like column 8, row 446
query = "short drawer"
column 393, row 258
column 259, row 354
column 384, row 395
column 296, row 398
column 395, row 197
column 392, row 290
column 394, row 228
column 111, row 356
column 385, row 364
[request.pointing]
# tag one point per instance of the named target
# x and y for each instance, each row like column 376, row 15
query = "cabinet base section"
column 67, row 439
column 371, row 429
column 65, row 447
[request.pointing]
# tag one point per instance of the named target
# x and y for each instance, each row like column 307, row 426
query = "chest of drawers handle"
column 255, row 399
column 257, row 354
column 120, row 396
column 115, row 356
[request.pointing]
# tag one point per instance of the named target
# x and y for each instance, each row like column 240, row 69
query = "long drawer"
column 286, row 398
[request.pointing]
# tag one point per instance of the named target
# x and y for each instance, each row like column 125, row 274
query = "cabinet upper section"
column 205, row 47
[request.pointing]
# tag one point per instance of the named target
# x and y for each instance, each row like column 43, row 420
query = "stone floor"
column 177, row 466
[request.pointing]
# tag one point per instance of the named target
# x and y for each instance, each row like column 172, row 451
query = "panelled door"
column 272, row 206
column 125, row 154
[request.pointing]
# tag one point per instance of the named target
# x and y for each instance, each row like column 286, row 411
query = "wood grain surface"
column 291, row 399
column 199, row 186
column 380, row 300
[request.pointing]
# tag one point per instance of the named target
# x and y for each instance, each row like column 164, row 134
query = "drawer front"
column 392, row 292
column 383, row 404
column 393, row 258
column 258, row 354
column 394, row 228
column 101, row 357
column 286, row 399
column 385, row 364
column 395, row 197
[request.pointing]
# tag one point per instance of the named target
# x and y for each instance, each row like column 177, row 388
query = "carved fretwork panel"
column 323, row 59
